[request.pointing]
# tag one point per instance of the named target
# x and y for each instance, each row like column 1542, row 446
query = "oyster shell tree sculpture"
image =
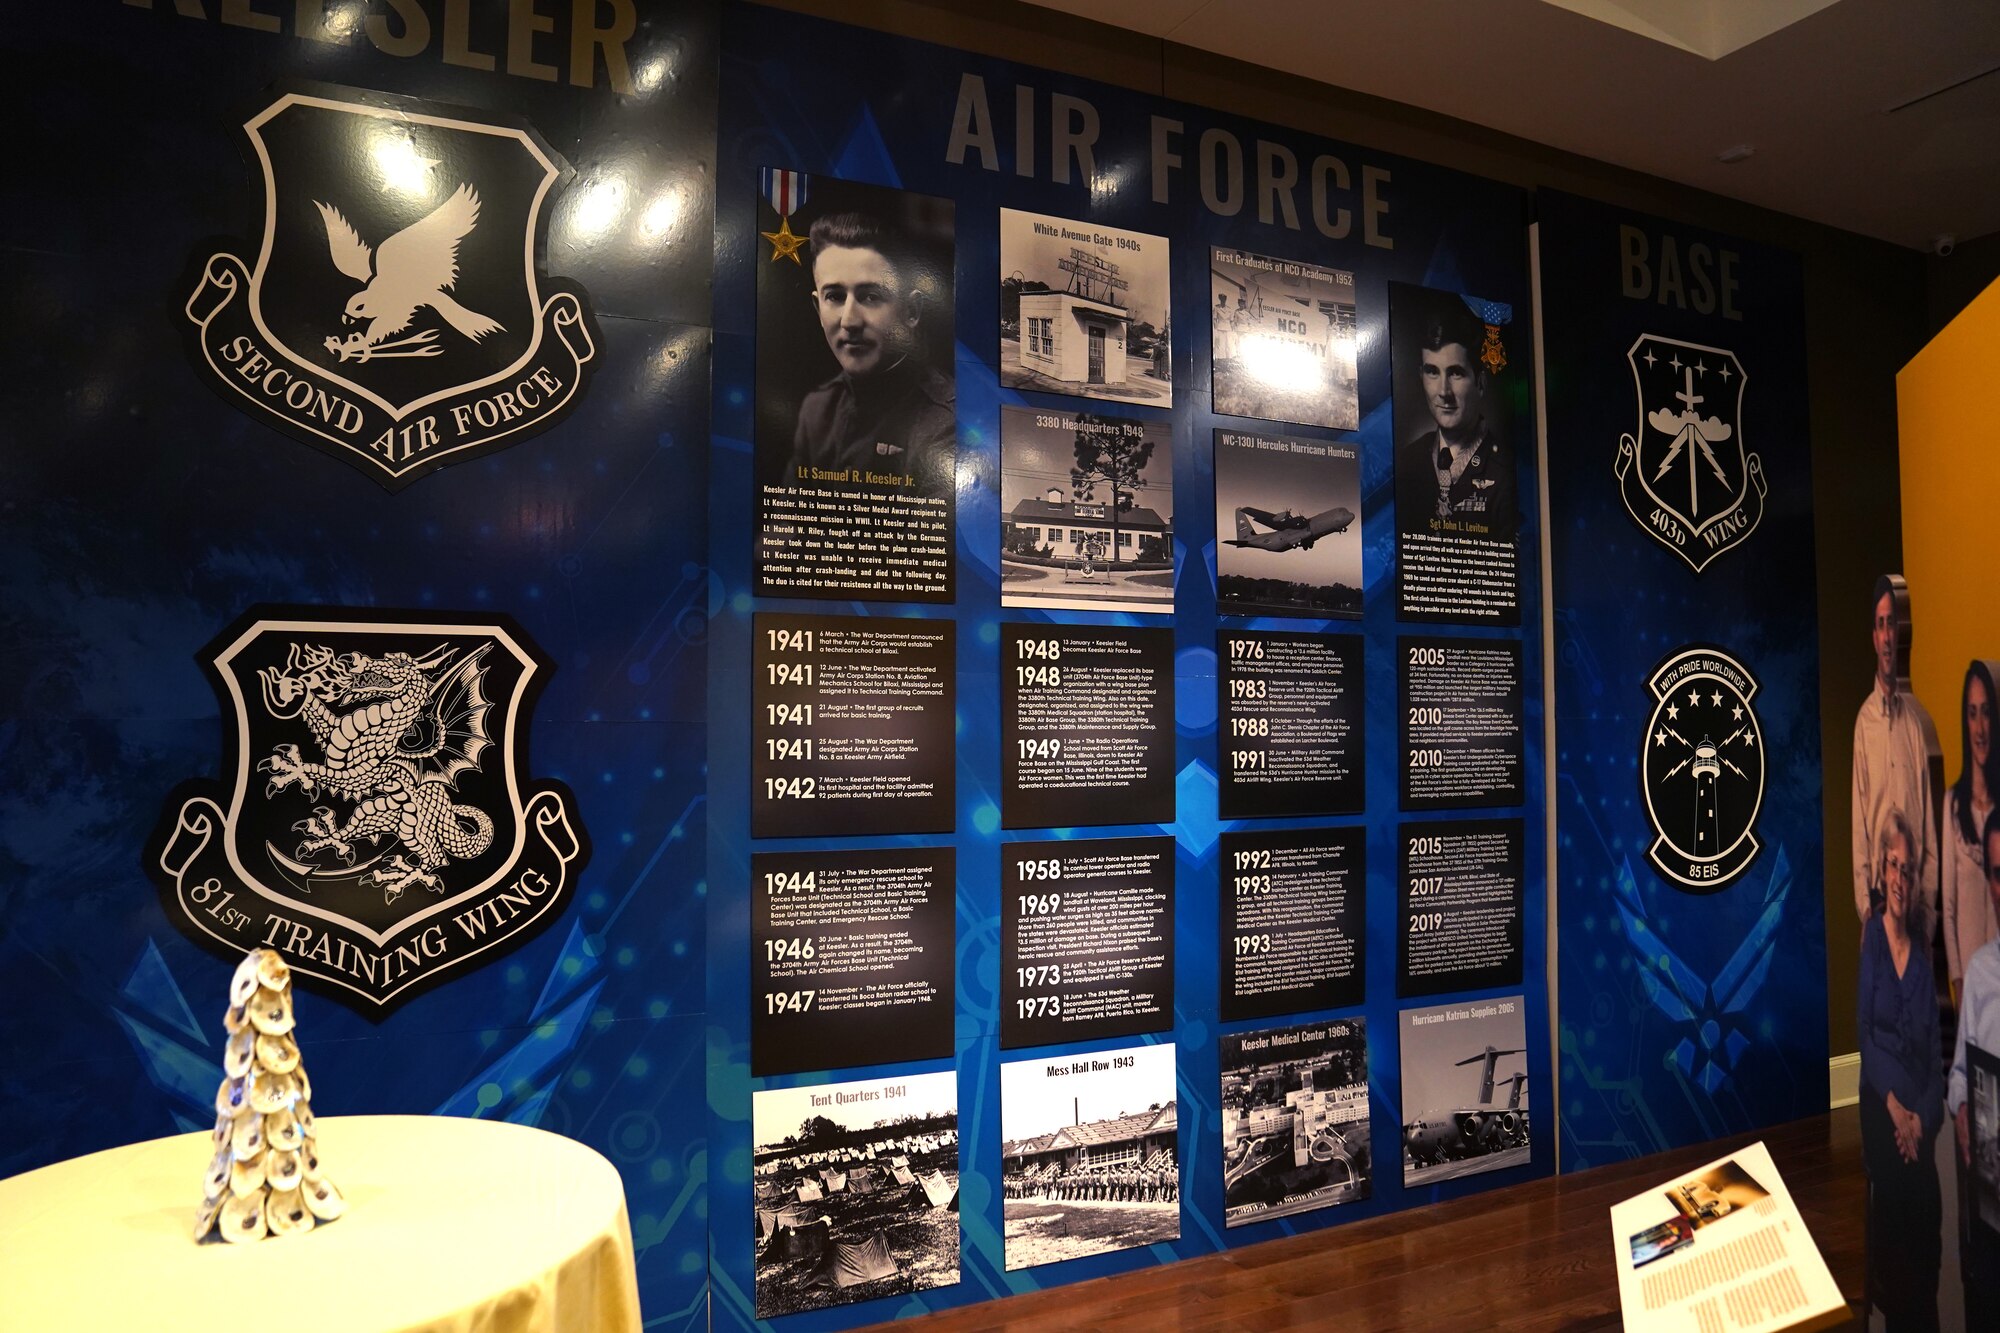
column 265, row 1178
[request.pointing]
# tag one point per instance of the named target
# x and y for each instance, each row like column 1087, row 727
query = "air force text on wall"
column 1059, row 133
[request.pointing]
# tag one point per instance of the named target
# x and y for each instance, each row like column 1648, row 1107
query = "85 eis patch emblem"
column 394, row 315
column 1702, row 769
column 377, row 826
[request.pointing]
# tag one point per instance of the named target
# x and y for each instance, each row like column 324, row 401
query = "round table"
column 451, row 1224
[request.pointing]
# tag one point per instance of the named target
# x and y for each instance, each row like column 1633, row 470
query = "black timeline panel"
column 1294, row 921
column 1461, row 726
column 854, row 726
column 1289, row 724
column 1087, row 725
column 1087, row 946
column 1460, row 904
column 851, row 957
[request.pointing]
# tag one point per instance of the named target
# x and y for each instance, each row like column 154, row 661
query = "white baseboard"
column 1843, row 1076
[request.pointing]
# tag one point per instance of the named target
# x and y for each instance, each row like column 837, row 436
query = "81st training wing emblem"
column 377, row 826
column 394, row 315
column 1702, row 769
column 1686, row 476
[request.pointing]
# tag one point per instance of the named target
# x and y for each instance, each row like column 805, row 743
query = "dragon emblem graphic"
column 394, row 733
column 373, row 755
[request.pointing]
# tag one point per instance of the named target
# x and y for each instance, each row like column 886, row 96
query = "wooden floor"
column 1535, row 1256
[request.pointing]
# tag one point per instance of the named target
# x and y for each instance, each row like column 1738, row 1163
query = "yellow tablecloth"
column 458, row 1226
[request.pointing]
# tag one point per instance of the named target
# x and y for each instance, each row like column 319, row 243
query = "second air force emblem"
column 1686, row 476
column 394, row 314
column 1702, row 769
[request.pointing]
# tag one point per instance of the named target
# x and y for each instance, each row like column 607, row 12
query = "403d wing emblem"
column 394, row 314
column 1686, row 475
column 377, row 826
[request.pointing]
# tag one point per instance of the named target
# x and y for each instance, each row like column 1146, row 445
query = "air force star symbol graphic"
column 376, row 825
column 1702, row 769
column 394, row 315
column 1686, row 475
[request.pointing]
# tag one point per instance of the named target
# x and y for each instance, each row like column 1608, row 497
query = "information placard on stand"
column 1722, row 1247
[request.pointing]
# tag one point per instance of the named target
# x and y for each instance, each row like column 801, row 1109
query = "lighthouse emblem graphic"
column 1702, row 769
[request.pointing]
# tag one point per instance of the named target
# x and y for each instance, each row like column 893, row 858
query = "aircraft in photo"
column 1442, row 1136
column 1288, row 531
column 1492, row 1058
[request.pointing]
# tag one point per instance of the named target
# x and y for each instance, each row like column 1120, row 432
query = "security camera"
column 1944, row 244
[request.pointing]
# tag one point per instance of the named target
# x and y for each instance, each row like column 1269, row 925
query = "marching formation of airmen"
column 1099, row 1187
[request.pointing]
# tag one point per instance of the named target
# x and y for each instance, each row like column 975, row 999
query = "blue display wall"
column 830, row 101
column 1692, row 977
column 146, row 509
column 169, row 538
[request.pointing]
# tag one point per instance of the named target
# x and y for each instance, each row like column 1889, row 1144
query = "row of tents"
column 842, row 1263
column 789, row 1234
column 916, row 1143
column 858, row 1180
column 929, row 1189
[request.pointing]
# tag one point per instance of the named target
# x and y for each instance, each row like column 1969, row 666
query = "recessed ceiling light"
column 1736, row 153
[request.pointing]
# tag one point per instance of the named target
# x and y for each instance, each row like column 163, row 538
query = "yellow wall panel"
column 1948, row 418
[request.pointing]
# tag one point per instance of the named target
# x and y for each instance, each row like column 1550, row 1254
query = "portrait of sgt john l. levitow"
column 1454, row 470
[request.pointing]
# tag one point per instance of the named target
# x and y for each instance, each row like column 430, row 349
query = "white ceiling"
column 1711, row 28
column 1880, row 116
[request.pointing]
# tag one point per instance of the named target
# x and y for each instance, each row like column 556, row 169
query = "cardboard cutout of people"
column 1898, row 765
column 1969, row 920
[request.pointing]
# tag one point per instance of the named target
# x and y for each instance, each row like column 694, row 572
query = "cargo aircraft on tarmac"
column 1440, row 1136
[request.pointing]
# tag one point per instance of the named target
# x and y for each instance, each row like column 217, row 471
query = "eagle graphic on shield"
column 395, row 313
column 377, row 825
column 1685, row 474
